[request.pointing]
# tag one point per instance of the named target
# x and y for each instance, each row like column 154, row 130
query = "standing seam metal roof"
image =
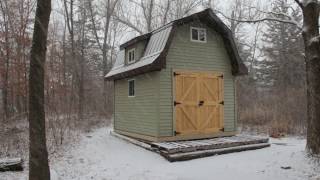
column 154, row 48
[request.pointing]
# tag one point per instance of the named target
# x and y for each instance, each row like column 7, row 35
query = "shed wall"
column 139, row 114
column 187, row 55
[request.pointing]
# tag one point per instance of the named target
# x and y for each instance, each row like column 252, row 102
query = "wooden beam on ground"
column 13, row 164
column 205, row 144
column 211, row 152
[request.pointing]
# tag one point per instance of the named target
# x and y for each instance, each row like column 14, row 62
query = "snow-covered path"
column 101, row 156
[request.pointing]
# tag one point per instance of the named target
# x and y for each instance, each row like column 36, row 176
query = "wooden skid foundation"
column 205, row 144
column 186, row 150
column 192, row 149
column 210, row 152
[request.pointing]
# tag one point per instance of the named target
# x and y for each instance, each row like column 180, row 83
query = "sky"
column 247, row 31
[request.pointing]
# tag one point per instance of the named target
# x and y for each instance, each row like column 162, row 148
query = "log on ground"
column 11, row 164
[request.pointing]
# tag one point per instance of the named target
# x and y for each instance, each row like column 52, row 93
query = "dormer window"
column 131, row 56
column 198, row 34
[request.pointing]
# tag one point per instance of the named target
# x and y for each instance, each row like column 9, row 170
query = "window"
column 131, row 57
column 131, row 88
column 198, row 34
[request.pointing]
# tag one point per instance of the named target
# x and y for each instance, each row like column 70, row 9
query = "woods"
column 58, row 85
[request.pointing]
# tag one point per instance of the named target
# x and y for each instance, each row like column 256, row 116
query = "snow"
column 101, row 156
column 314, row 40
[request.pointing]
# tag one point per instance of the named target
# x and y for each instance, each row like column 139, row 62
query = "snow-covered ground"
column 100, row 156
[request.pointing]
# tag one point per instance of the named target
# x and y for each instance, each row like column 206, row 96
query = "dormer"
column 134, row 52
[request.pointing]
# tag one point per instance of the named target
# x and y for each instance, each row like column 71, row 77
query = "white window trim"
column 134, row 57
column 197, row 28
column 134, row 81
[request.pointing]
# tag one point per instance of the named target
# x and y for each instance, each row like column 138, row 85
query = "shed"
column 178, row 81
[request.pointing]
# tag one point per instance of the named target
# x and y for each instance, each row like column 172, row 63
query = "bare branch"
column 94, row 28
column 262, row 19
column 129, row 24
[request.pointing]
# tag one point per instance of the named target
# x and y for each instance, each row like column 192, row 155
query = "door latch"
column 200, row 103
column 176, row 103
column 175, row 74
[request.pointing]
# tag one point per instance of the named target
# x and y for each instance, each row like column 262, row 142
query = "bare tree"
column 147, row 9
column 69, row 16
column 109, row 9
column 311, row 15
column 166, row 9
column 7, row 59
column 154, row 13
column 311, row 10
column 15, row 48
column 38, row 161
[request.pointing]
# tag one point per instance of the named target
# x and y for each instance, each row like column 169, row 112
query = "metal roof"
column 154, row 48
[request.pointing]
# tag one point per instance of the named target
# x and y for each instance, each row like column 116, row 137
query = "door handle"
column 201, row 103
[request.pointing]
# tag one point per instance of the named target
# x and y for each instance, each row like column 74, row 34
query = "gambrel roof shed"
column 178, row 81
column 159, row 40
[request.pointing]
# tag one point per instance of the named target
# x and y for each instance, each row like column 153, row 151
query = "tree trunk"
column 38, row 159
column 81, row 70
column 70, row 26
column 105, row 48
column 312, row 52
column 7, row 58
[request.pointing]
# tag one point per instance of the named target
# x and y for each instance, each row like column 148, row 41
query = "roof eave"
column 134, row 72
column 135, row 40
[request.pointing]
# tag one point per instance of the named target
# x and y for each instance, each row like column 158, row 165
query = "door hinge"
column 222, row 103
column 176, row 133
column 176, row 103
column 221, row 76
column 222, row 129
column 175, row 74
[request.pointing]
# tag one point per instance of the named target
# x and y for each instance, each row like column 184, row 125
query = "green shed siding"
column 187, row 55
column 139, row 114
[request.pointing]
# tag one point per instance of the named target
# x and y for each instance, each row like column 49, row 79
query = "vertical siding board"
column 184, row 54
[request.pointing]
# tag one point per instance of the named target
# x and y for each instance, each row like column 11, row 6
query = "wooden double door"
column 198, row 102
